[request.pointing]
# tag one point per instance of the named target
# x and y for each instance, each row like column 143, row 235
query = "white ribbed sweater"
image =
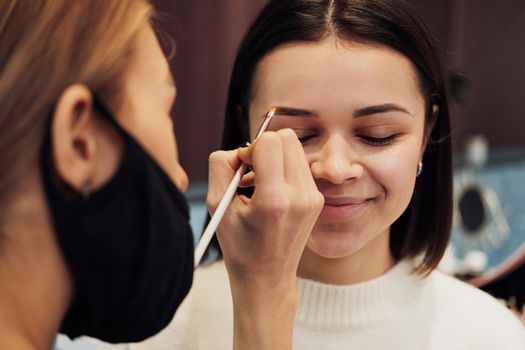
column 398, row 310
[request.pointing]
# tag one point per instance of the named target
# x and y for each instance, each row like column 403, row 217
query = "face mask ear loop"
column 108, row 116
column 227, row 198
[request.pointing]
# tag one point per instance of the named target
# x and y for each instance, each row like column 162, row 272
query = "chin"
column 336, row 243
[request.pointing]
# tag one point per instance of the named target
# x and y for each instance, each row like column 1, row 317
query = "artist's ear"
column 73, row 137
column 429, row 127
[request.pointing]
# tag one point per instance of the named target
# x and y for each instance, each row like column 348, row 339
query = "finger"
column 222, row 168
column 267, row 162
column 248, row 180
column 296, row 167
column 307, row 198
column 245, row 154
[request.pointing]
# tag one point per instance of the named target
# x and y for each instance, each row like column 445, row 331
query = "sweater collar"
column 378, row 300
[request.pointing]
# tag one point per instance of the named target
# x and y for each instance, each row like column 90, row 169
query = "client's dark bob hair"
column 423, row 230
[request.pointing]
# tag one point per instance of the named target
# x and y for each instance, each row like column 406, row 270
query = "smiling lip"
column 343, row 208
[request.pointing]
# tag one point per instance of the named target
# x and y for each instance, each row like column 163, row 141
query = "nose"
column 336, row 162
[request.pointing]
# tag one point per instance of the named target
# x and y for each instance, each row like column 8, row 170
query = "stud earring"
column 419, row 168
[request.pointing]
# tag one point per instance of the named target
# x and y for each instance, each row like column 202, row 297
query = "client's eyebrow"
column 295, row 112
column 362, row 112
column 378, row 109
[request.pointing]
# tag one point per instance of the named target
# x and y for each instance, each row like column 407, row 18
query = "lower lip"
column 343, row 212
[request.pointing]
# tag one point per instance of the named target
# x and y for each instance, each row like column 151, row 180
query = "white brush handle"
column 226, row 199
column 217, row 216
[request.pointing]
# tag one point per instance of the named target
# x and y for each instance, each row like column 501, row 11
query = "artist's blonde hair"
column 45, row 46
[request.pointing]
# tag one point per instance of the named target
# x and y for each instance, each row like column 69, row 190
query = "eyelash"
column 305, row 139
column 379, row 141
column 374, row 141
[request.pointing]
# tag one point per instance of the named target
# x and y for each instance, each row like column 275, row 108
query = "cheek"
column 163, row 147
column 157, row 137
column 147, row 120
column 395, row 170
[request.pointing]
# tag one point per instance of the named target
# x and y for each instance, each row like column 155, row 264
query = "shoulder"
column 211, row 289
column 457, row 296
column 206, row 315
column 468, row 315
column 212, row 276
column 205, row 318
column 209, row 295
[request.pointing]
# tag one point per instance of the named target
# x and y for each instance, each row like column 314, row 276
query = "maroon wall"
column 484, row 42
column 488, row 47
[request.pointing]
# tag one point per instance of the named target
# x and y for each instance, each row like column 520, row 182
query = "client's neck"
column 372, row 260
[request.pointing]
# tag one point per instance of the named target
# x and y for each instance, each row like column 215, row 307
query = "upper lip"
column 335, row 201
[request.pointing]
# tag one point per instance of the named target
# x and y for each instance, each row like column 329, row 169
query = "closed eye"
column 305, row 135
column 305, row 139
column 379, row 141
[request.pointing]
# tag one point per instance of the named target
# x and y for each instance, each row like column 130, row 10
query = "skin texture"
column 367, row 184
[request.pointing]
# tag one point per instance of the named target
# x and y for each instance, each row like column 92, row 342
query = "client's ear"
column 73, row 137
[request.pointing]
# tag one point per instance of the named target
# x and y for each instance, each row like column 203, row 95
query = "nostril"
column 336, row 172
column 315, row 169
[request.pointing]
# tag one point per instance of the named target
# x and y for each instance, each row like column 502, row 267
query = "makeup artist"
column 94, row 232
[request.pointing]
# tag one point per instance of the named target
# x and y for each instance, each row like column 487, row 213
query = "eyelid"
column 300, row 131
column 379, row 141
column 306, row 134
column 303, row 134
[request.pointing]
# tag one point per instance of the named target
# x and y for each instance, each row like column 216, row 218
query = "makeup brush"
column 227, row 198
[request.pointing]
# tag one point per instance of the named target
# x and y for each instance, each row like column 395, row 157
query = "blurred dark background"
column 481, row 42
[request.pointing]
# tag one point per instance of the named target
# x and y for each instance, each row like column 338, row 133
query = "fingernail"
column 244, row 145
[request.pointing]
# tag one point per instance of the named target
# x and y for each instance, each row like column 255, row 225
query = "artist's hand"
column 262, row 237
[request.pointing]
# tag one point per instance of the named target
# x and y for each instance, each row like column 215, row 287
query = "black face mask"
column 128, row 246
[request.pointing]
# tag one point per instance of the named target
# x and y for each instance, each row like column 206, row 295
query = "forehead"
column 333, row 71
